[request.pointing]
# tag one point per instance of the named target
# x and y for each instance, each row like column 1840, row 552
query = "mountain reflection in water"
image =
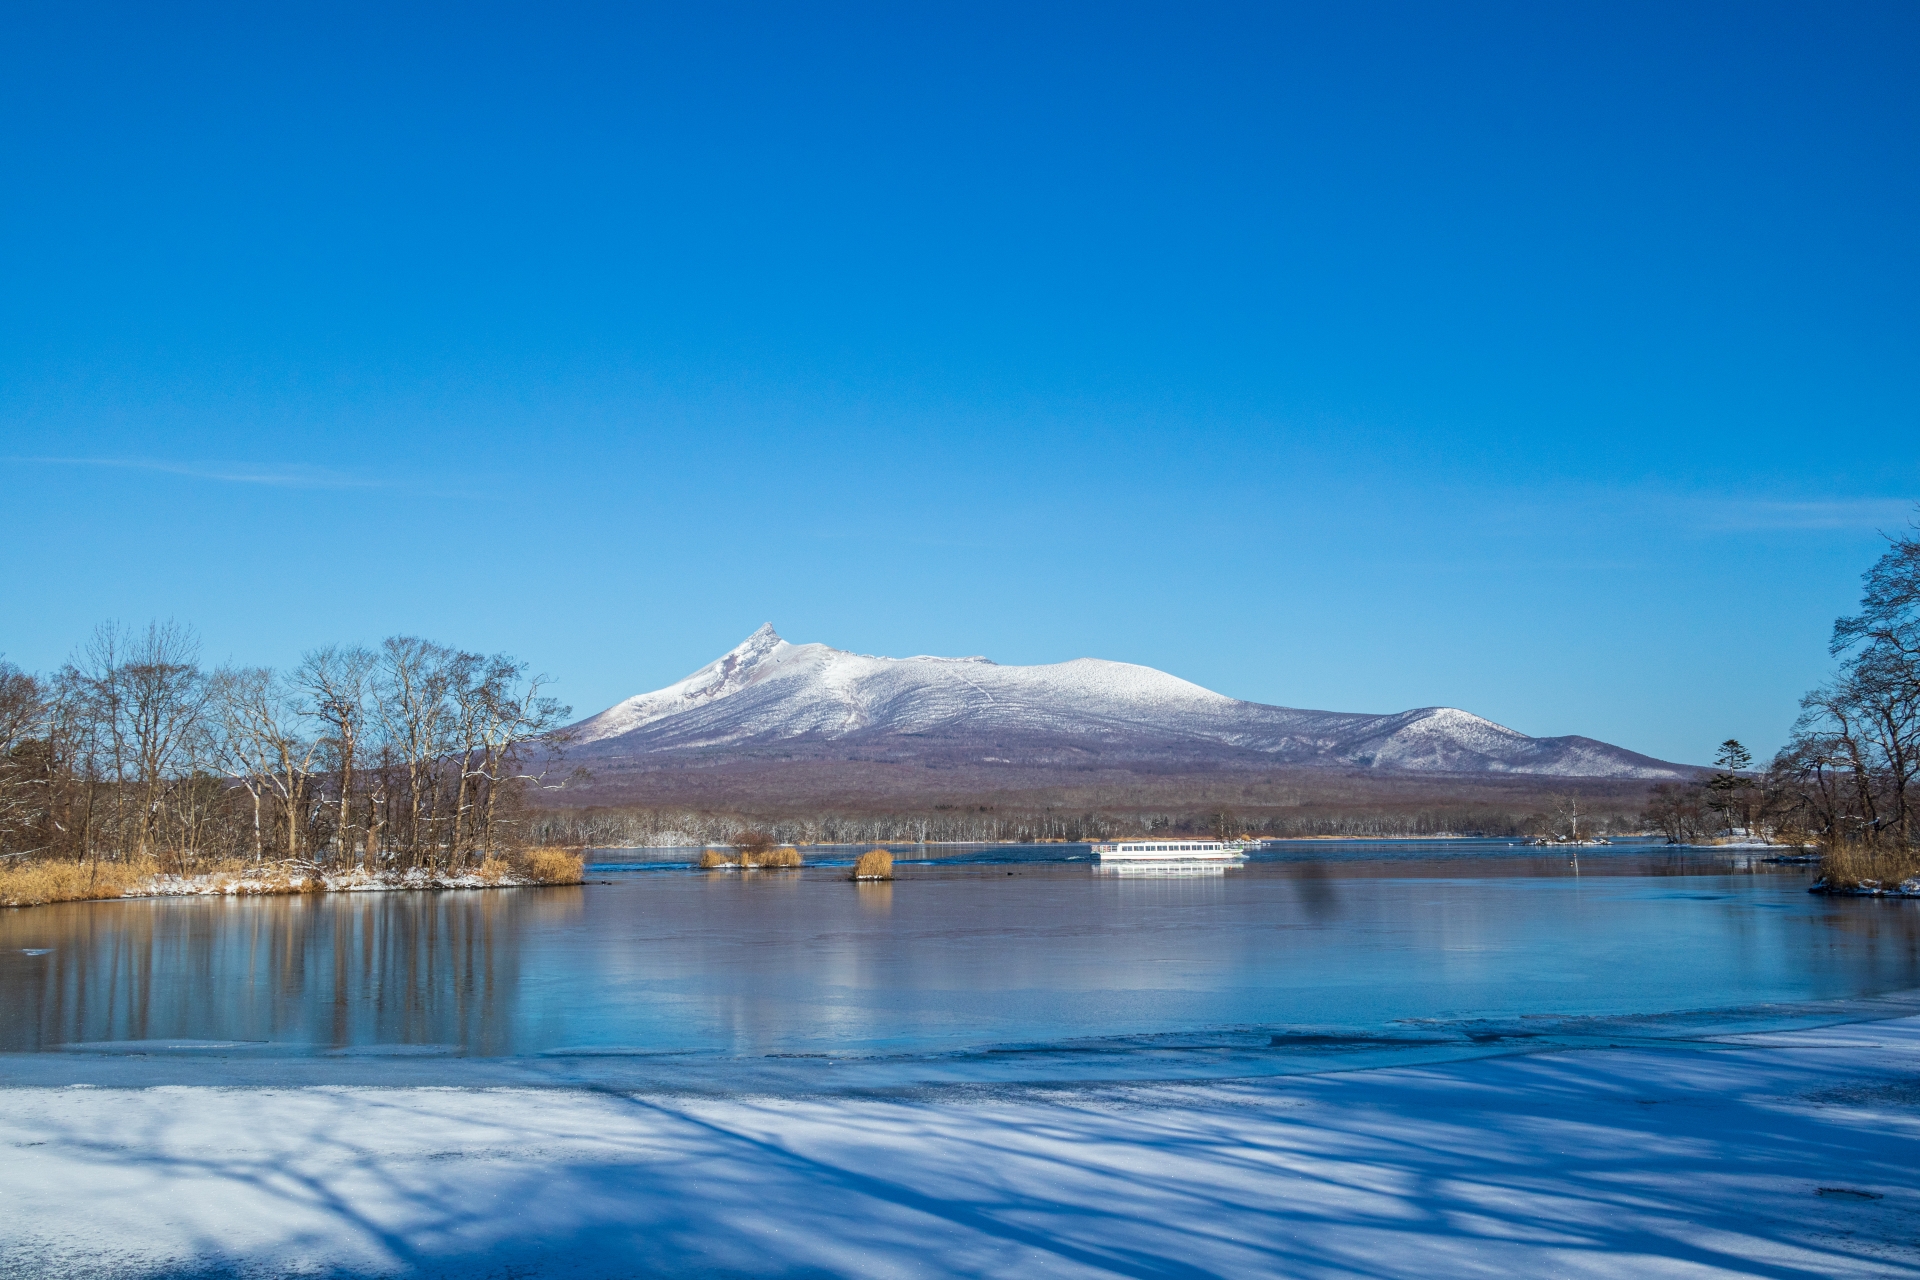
column 1299, row 951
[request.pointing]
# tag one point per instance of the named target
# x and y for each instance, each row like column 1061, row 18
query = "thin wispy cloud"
column 282, row 476
column 1844, row 513
column 1524, row 514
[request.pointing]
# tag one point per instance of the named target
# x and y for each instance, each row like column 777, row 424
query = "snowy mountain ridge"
column 768, row 694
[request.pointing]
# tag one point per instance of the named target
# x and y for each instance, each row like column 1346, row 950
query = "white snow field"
column 1694, row 1161
column 767, row 692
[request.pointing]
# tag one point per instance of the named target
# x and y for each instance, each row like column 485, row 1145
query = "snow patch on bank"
column 356, row 880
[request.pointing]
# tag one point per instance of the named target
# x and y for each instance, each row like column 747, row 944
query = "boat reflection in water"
column 1168, row 869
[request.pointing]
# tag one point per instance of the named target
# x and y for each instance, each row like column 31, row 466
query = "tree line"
column 409, row 753
column 665, row 826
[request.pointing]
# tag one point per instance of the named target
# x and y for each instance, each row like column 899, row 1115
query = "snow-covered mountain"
column 770, row 698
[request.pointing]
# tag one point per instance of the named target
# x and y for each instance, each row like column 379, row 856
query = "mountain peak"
column 755, row 647
column 736, row 666
column 767, row 694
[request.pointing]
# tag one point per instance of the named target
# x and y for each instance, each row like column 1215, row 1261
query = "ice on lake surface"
column 976, row 963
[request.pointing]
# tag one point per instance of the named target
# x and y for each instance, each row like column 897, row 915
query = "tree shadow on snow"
column 1526, row 1165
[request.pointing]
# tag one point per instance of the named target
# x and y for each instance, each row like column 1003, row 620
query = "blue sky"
column 1555, row 362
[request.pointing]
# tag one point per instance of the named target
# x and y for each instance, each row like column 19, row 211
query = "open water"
column 978, row 962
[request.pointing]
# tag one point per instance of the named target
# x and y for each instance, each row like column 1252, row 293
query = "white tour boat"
column 1170, row 851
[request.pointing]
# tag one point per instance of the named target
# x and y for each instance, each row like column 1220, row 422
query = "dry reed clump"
column 874, row 864
column 753, row 859
column 1855, row 866
column 554, row 866
column 493, row 870
column 26, row 883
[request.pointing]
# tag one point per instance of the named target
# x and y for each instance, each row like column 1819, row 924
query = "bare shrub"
column 554, row 866
column 874, row 864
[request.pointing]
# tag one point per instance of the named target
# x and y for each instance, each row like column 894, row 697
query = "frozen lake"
column 997, row 963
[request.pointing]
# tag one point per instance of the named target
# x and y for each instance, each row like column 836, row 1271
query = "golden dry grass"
column 493, row 870
column 554, row 866
column 753, row 859
column 25, row 883
column 874, row 864
column 1849, row 866
column 34, row 883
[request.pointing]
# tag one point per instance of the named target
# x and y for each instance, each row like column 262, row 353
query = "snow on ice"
column 1783, row 1155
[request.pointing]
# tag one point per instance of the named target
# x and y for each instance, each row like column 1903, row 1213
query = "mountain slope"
column 770, row 699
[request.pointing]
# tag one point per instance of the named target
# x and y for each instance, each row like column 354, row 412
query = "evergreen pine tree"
column 1728, row 786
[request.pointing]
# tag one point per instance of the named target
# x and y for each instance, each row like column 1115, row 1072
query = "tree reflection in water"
column 955, row 956
column 310, row 970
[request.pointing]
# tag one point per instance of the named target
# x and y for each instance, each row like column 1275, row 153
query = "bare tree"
column 130, row 749
column 1808, row 790
column 413, row 687
column 1885, row 693
column 1825, row 737
column 514, row 717
column 474, row 698
column 141, row 696
column 335, row 682
column 1889, row 616
column 166, row 696
column 1856, row 746
column 1677, row 810
column 23, row 760
column 264, row 745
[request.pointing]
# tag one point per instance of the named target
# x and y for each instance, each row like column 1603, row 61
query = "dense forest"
column 409, row 754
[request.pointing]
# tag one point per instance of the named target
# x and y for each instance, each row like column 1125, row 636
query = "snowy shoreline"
column 354, row 881
column 50, row 884
column 1786, row 1154
column 1909, row 888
